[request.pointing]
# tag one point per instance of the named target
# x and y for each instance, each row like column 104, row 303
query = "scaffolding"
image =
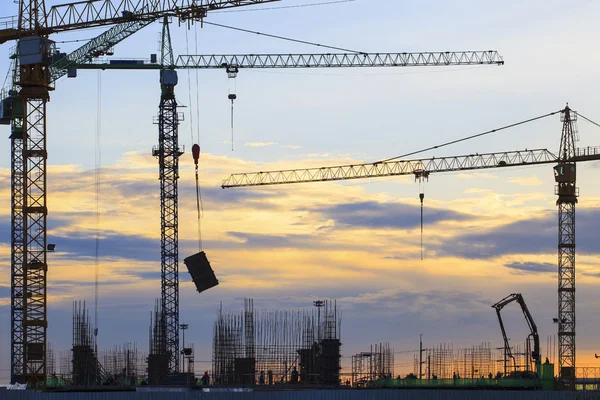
column 266, row 347
column 86, row 369
column 124, row 365
column 158, row 359
column 444, row 362
column 378, row 363
column 66, row 365
column 520, row 360
column 50, row 360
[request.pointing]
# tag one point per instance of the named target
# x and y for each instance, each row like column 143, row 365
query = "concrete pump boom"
column 535, row 354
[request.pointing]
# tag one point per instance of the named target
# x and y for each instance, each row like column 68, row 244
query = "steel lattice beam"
column 332, row 60
column 168, row 155
column 17, row 241
column 96, row 47
column 565, row 176
column 34, row 218
column 405, row 167
column 394, row 168
column 340, row 60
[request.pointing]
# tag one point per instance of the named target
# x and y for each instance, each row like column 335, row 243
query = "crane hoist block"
column 202, row 274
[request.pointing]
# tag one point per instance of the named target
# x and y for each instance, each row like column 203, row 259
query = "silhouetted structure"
column 378, row 363
column 248, row 342
column 86, row 370
column 158, row 359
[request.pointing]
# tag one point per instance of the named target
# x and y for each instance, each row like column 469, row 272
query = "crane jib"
column 407, row 167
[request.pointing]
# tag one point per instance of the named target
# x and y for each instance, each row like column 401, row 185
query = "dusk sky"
column 486, row 234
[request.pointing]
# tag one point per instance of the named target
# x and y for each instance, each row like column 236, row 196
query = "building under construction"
column 444, row 362
column 369, row 366
column 274, row 347
column 86, row 370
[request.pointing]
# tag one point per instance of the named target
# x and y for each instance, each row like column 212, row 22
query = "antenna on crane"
column 232, row 71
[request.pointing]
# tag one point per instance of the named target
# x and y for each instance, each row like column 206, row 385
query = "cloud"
column 291, row 146
column 371, row 214
column 257, row 240
column 532, row 267
column 260, row 144
column 526, row 181
column 537, row 235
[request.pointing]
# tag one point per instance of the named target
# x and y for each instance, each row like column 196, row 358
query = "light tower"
column 565, row 176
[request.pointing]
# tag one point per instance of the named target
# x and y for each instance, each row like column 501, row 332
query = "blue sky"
column 487, row 234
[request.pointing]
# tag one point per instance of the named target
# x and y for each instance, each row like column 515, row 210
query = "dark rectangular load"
column 202, row 274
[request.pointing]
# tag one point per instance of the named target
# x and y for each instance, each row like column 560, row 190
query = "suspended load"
column 202, row 274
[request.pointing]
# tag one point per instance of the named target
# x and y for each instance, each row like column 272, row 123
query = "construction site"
column 303, row 351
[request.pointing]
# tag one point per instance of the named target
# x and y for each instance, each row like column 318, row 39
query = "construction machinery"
column 565, row 177
column 532, row 356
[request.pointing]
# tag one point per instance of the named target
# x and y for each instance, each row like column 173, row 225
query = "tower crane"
column 11, row 112
column 169, row 151
column 535, row 354
column 564, row 175
column 31, row 29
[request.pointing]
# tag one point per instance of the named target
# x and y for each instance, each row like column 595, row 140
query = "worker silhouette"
column 294, row 375
column 547, row 361
column 205, row 379
column 261, row 378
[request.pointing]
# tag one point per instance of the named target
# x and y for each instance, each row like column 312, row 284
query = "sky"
column 486, row 234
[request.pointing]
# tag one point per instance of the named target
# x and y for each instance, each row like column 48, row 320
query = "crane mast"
column 34, row 79
column 168, row 153
column 565, row 176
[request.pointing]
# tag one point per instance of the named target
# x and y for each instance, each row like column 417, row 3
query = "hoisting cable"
column 324, row 3
column 286, row 38
column 196, row 155
column 421, row 177
column 98, row 164
column 470, row 137
column 187, row 49
column 197, row 89
column 421, row 196
column 589, row 120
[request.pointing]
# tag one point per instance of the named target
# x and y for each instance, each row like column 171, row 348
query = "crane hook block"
column 196, row 153
column 232, row 97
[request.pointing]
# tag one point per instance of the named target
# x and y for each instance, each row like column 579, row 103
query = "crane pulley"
column 232, row 71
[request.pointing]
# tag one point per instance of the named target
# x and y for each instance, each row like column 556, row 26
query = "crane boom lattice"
column 341, row 60
column 93, row 13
